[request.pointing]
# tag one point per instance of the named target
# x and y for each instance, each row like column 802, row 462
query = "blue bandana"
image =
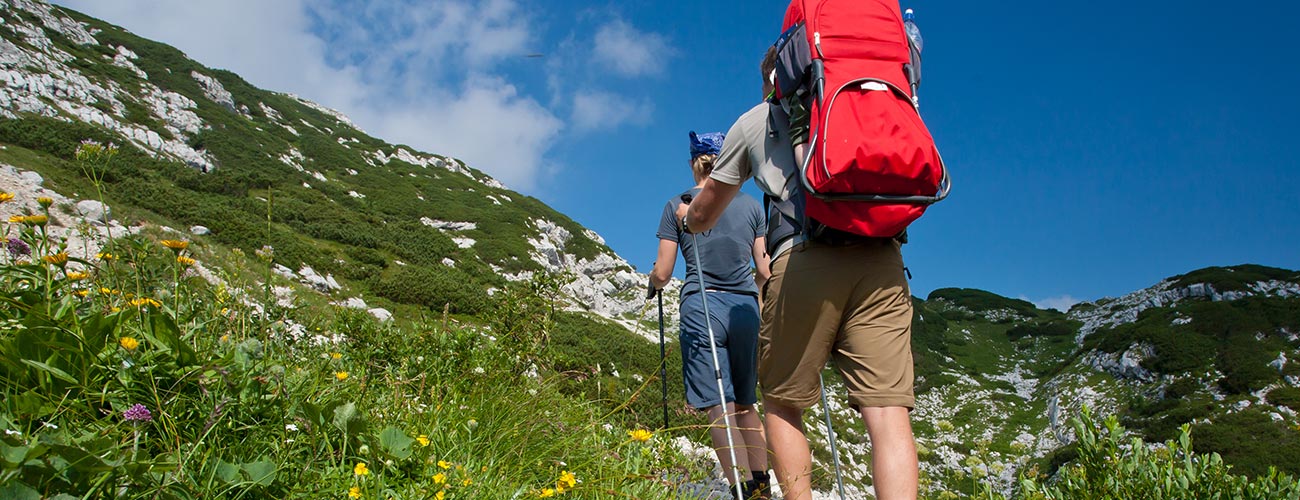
column 706, row 144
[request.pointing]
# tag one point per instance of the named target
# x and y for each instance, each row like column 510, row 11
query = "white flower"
column 478, row 370
column 288, row 441
column 291, row 427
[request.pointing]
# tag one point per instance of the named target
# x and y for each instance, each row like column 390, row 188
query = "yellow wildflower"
column 104, row 256
column 17, row 219
column 568, row 479
column 185, row 261
column 444, row 465
column 144, row 301
column 423, row 440
column 77, row 276
column 546, row 493
column 225, row 338
column 4, row 197
column 45, row 201
column 34, row 220
column 354, row 492
column 175, row 245
column 115, row 309
column 129, row 343
column 57, row 259
column 336, row 355
column 361, row 469
column 466, row 482
column 439, row 478
column 640, row 435
column 108, row 291
column 440, row 495
column 341, row 376
column 81, row 293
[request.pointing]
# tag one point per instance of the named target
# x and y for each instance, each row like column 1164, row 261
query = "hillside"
column 323, row 239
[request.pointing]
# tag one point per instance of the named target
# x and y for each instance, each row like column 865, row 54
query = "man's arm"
column 703, row 212
column 664, row 262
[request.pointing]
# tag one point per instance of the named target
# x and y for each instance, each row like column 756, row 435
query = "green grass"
column 241, row 410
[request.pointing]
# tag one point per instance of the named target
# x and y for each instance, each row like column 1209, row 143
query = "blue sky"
column 1097, row 147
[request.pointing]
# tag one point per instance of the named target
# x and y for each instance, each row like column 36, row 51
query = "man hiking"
column 832, row 295
column 732, row 309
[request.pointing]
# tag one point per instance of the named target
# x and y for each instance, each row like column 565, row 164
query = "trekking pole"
column 830, row 433
column 663, row 354
column 717, row 369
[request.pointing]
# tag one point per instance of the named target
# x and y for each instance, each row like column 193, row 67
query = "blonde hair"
column 702, row 166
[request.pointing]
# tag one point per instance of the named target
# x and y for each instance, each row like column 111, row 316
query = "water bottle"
column 914, row 67
column 913, row 32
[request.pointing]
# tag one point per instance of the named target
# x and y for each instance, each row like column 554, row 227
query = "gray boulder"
column 92, row 210
column 381, row 314
column 200, row 231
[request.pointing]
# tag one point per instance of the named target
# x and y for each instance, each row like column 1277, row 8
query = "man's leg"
column 790, row 452
column 893, row 452
column 755, row 447
column 718, row 433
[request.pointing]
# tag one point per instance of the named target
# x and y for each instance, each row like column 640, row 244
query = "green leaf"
column 54, row 372
column 18, row 491
column 13, row 455
column 260, row 472
column 227, row 472
column 395, row 442
column 347, row 419
column 165, row 332
column 80, row 459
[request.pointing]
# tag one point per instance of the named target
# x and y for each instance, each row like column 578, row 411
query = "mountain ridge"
column 377, row 226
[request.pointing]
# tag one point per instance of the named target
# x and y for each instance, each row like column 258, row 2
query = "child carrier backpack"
column 872, row 167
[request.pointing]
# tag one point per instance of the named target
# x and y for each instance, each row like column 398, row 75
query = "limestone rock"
column 381, row 314
column 93, row 211
column 200, row 231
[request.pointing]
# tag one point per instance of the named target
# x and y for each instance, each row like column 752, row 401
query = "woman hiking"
column 731, row 289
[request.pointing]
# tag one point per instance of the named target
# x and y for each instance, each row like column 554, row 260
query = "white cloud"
column 398, row 68
column 604, row 110
column 629, row 51
column 1061, row 303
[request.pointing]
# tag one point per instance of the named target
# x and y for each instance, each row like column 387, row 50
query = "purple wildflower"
column 137, row 413
column 17, row 248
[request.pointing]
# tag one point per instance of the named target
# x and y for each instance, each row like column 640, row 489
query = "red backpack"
column 872, row 166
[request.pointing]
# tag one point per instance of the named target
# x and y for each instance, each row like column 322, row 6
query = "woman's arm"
column 762, row 262
column 663, row 270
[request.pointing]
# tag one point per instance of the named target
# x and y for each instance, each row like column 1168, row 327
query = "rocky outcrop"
column 214, row 91
column 1108, row 313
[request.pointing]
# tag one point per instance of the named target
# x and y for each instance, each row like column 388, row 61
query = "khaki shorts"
column 851, row 302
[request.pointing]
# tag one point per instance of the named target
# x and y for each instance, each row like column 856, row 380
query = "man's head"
column 768, row 67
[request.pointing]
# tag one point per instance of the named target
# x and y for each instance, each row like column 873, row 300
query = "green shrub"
column 1285, row 396
column 982, row 301
column 1110, row 466
column 433, row 289
column 1054, row 328
column 1235, row 278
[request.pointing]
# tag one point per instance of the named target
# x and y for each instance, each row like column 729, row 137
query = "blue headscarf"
column 706, row 144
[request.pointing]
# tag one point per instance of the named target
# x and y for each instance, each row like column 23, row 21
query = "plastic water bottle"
column 913, row 32
column 914, row 68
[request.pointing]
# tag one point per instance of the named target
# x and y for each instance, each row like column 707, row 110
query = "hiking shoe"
column 754, row 490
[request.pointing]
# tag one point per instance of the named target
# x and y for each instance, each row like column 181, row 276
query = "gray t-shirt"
column 758, row 146
column 726, row 251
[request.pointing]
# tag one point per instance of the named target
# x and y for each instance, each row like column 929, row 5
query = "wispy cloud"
column 631, row 52
column 605, row 110
column 431, row 74
column 1061, row 303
